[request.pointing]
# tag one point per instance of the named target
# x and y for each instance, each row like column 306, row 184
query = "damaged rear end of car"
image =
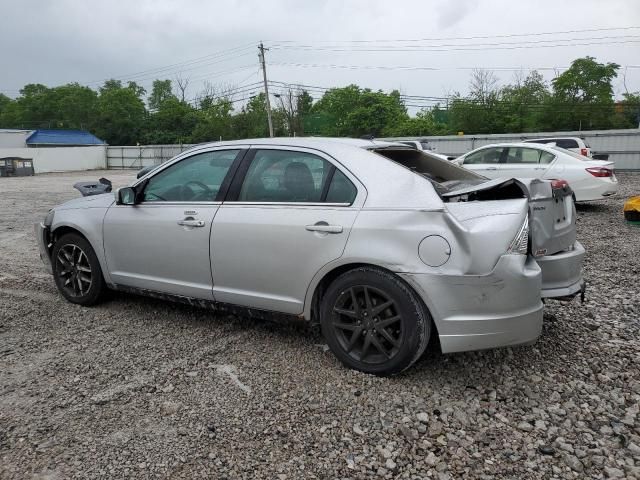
column 550, row 208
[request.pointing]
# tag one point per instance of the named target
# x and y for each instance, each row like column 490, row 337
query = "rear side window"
column 523, row 155
column 546, row 157
column 488, row 155
column 286, row 176
column 341, row 190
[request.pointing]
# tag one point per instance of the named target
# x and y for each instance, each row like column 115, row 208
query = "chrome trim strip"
column 174, row 203
column 291, row 204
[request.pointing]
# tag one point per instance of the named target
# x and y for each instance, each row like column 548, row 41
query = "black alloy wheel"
column 73, row 270
column 76, row 270
column 374, row 322
column 367, row 323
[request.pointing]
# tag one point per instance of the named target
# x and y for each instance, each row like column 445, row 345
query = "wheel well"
column 322, row 286
column 434, row 342
column 330, row 276
column 63, row 230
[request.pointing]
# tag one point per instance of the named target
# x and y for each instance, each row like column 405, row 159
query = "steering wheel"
column 186, row 188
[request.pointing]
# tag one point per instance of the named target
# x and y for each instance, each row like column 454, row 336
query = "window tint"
column 341, row 190
column 284, row 176
column 194, row 179
column 546, row 157
column 489, row 155
column 523, row 155
column 566, row 143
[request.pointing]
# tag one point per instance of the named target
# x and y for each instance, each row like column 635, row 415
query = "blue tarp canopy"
column 63, row 137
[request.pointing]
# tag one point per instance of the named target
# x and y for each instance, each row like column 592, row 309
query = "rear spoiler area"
column 498, row 189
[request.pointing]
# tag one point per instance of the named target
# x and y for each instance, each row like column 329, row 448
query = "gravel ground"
column 143, row 388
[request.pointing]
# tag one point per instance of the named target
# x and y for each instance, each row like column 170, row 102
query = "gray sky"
column 55, row 42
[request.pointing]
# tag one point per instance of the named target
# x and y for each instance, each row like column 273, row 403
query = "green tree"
column 582, row 96
column 173, row 122
column 424, row 123
column 480, row 111
column 251, row 121
column 522, row 103
column 120, row 113
column 352, row 111
column 214, row 120
column 160, row 92
column 627, row 112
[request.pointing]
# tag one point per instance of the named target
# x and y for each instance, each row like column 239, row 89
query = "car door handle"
column 191, row 223
column 324, row 228
column 492, row 168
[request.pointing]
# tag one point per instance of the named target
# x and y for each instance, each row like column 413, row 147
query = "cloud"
column 452, row 12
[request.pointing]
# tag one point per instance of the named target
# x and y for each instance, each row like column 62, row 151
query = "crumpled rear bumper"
column 562, row 273
column 42, row 236
column 474, row 312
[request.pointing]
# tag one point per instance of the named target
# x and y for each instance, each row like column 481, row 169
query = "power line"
column 461, row 47
column 507, row 35
column 176, row 66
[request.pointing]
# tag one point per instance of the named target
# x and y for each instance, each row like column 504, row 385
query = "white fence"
column 61, row 159
column 141, row 156
column 622, row 146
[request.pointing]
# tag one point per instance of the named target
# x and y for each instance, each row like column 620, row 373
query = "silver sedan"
column 381, row 245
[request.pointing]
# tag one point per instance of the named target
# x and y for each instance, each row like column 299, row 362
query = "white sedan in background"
column 589, row 179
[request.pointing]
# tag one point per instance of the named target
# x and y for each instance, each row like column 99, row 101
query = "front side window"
column 194, row 179
column 488, row 155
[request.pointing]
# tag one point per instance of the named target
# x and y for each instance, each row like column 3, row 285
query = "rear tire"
column 373, row 322
column 76, row 270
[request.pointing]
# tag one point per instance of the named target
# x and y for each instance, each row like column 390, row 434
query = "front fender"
column 88, row 222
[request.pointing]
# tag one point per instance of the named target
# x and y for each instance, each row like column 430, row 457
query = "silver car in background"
column 382, row 245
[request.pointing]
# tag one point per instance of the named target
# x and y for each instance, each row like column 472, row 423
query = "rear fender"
column 484, row 230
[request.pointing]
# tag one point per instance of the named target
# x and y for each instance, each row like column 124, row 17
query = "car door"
column 525, row 162
column 288, row 213
column 162, row 243
column 485, row 161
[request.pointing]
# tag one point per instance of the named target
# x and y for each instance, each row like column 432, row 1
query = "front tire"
column 76, row 270
column 373, row 322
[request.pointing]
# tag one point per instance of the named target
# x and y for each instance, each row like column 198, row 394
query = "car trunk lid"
column 552, row 215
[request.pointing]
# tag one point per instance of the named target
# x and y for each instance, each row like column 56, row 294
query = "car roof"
column 533, row 140
column 542, row 146
column 310, row 142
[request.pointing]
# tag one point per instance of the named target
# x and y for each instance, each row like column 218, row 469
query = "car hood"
column 94, row 201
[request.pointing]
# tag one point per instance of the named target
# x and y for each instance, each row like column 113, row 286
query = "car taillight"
column 584, row 151
column 559, row 183
column 600, row 172
column 520, row 243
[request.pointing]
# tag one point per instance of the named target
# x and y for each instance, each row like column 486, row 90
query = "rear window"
column 566, row 143
column 569, row 152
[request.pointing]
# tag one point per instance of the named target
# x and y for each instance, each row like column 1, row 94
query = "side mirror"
column 126, row 196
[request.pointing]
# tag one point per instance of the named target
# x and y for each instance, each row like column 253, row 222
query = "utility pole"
column 266, row 87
